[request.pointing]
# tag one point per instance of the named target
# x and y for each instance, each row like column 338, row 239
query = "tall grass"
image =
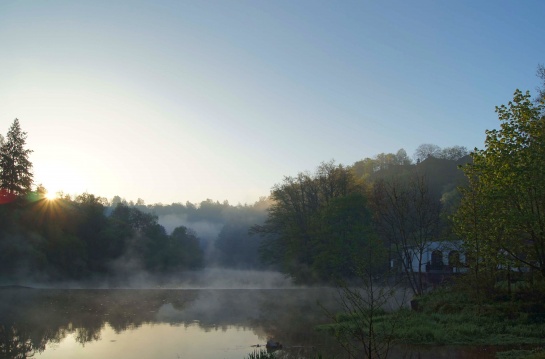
column 448, row 318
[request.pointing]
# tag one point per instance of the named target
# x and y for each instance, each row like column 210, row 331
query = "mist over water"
column 178, row 323
column 222, row 278
column 194, row 323
column 208, row 278
column 212, row 278
column 205, row 229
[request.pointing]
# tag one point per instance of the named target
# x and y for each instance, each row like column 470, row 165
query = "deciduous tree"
column 346, row 238
column 426, row 150
column 507, row 188
column 408, row 218
column 294, row 224
column 453, row 153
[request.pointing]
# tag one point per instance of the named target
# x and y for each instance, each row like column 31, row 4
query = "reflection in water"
column 15, row 344
column 130, row 323
column 159, row 340
column 157, row 323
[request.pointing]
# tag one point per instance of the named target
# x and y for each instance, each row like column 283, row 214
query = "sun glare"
column 60, row 177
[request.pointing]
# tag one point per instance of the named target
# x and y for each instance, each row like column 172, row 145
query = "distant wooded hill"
column 442, row 175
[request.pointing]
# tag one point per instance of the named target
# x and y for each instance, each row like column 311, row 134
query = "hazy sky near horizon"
column 175, row 101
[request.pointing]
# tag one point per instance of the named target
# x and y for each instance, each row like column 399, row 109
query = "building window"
column 436, row 260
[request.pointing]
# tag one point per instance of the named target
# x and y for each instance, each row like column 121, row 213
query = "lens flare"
column 6, row 196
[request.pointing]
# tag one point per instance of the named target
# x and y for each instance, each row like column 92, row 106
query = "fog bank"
column 209, row 278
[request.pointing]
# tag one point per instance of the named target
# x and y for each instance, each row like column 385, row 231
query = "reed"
column 260, row 354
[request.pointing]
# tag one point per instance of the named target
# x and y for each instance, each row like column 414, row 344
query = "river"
column 175, row 323
column 165, row 323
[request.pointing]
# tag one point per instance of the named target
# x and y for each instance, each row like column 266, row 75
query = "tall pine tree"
column 15, row 167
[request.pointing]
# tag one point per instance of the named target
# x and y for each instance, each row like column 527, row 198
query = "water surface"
column 55, row 323
column 193, row 323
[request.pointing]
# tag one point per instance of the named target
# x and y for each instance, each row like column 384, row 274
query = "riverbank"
column 514, row 324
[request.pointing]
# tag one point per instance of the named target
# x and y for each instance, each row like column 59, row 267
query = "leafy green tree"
column 15, row 166
column 185, row 251
column 364, row 168
column 138, row 231
column 346, row 237
column 293, row 221
column 91, row 225
column 383, row 161
column 402, row 158
column 144, row 239
column 288, row 229
column 506, row 192
column 473, row 222
column 156, row 250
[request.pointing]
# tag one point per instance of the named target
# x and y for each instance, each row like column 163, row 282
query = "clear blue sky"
column 175, row 101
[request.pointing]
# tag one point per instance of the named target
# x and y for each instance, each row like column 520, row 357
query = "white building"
column 437, row 257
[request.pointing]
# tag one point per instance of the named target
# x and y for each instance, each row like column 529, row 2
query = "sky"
column 176, row 101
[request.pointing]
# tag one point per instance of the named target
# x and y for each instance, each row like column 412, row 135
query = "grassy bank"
column 450, row 316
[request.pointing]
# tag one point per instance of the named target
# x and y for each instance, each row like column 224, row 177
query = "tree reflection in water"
column 29, row 319
column 16, row 344
column 33, row 318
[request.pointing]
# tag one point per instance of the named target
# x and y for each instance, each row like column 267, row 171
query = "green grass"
column 537, row 353
column 466, row 329
column 448, row 317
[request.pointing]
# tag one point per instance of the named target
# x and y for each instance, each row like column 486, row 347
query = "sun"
column 50, row 196
column 59, row 177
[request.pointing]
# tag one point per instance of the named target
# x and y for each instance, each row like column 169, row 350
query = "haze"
column 175, row 101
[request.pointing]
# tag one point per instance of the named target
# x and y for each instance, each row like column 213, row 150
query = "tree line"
column 88, row 236
column 78, row 238
column 336, row 222
column 345, row 221
column 388, row 210
column 311, row 225
column 74, row 239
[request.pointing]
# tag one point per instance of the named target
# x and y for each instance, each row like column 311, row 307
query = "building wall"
column 444, row 249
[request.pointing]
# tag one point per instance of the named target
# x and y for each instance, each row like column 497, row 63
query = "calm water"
column 159, row 323
column 174, row 324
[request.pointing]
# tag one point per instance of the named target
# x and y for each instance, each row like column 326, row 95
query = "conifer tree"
column 15, row 167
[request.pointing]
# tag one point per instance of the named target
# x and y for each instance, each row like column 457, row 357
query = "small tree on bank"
column 408, row 218
column 16, row 176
